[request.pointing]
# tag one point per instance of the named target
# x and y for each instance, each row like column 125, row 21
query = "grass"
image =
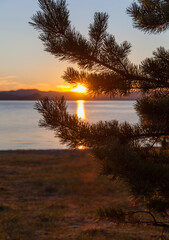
column 56, row 196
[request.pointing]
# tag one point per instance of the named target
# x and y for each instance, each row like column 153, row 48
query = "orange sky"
column 25, row 64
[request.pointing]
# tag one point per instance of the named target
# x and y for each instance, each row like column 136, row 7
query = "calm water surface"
column 19, row 121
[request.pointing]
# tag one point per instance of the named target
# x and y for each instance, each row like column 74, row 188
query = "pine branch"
column 73, row 130
column 102, row 53
column 150, row 16
column 120, row 147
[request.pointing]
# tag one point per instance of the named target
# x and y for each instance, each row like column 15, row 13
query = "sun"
column 80, row 89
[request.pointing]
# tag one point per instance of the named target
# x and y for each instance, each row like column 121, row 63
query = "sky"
column 25, row 64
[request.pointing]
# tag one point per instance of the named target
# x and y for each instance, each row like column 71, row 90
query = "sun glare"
column 80, row 89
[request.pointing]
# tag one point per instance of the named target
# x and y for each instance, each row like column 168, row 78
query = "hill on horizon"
column 35, row 94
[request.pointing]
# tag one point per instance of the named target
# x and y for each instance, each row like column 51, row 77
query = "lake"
column 19, row 121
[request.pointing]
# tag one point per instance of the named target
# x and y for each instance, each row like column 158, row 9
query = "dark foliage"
column 138, row 154
column 100, row 56
column 150, row 15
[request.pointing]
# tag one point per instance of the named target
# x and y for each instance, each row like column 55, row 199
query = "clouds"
column 12, row 82
column 7, row 77
column 8, row 82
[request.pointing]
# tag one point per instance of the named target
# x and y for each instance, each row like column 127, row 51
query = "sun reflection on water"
column 81, row 114
column 81, row 109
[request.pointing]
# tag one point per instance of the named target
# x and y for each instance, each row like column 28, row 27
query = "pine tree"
column 138, row 154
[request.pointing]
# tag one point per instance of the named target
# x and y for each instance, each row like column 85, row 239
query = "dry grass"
column 56, row 195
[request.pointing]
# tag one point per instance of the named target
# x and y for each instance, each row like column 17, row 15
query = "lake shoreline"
column 41, row 151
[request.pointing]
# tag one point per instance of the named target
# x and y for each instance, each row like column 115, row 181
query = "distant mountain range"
column 34, row 94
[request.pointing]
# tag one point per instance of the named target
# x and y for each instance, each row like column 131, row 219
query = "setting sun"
column 80, row 89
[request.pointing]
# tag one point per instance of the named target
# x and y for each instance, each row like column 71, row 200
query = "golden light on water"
column 81, row 109
column 81, row 114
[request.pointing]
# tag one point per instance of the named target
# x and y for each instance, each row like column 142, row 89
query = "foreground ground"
column 55, row 195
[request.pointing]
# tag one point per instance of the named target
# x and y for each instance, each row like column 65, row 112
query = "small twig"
column 155, row 223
